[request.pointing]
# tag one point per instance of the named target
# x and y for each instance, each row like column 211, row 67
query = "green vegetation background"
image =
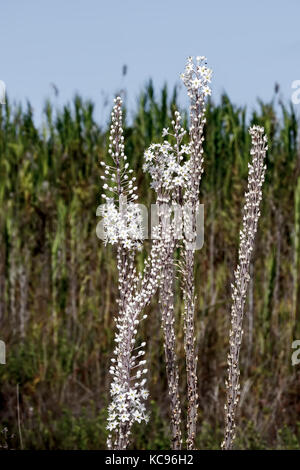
column 58, row 281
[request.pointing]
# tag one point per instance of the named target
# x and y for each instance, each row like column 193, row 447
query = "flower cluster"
column 162, row 164
column 119, row 181
column 128, row 392
column 253, row 196
column 168, row 164
column 123, row 225
column 197, row 76
column 122, row 220
column 127, row 405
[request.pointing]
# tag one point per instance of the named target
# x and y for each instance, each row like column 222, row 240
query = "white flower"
column 137, row 416
column 185, row 148
column 112, row 425
column 124, row 417
column 122, row 407
column 144, row 393
column 196, row 83
column 178, row 181
column 112, row 416
column 142, row 408
column 196, row 78
column 125, row 225
column 165, row 169
column 111, row 407
column 206, row 90
column 132, row 394
column 115, row 388
column 148, row 156
column 121, row 397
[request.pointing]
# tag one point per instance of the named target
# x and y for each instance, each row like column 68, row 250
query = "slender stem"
column 242, row 277
column 19, row 418
column 166, row 299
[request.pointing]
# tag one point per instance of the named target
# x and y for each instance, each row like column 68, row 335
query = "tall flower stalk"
column 169, row 172
column 251, row 215
column 196, row 78
column 122, row 226
column 176, row 171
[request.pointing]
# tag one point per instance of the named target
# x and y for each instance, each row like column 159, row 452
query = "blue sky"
column 81, row 45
